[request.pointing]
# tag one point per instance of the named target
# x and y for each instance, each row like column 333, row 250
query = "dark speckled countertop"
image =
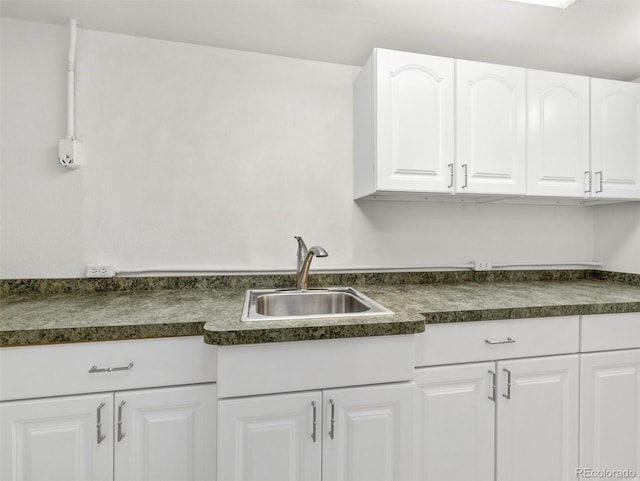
column 79, row 315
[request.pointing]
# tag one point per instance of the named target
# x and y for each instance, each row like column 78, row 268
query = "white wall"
column 215, row 158
column 617, row 237
column 41, row 204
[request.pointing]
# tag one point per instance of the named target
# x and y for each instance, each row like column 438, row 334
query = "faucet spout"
column 304, row 262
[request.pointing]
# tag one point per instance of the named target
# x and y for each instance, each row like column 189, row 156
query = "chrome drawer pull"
column 99, row 423
column 120, row 433
column 589, row 182
column 110, row 369
column 507, row 341
column 315, row 423
column 508, row 395
column 332, row 431
column 601, row 175
column 450, row 186
column 493, row 386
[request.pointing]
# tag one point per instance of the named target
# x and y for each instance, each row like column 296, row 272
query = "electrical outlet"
column 69, row 153
column 481, row 266
column 100, row 270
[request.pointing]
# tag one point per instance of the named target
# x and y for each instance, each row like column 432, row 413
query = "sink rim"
column 249, row 313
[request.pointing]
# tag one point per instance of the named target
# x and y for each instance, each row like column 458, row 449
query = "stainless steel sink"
column 273, row 304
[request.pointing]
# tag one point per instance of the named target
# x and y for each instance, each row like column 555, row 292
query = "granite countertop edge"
column 329, row 329
column 444, row 317
column 225, row 328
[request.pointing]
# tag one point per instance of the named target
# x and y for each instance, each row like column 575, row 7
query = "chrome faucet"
column 304, row 262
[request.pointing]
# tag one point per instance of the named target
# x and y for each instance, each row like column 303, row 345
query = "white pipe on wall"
column 550, row 264
column 71, row 66
column 469, row 266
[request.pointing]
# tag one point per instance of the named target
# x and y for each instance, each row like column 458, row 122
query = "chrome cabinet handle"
column 333, row 419
column 493, row 386
column 465, row 185
column 313, row 433
column 120, row 433
column 450, row 186
column 587, row 174
column 508, row 395
column 507, row 341
column 99, row 423
column 599, row 172
column 110, row 369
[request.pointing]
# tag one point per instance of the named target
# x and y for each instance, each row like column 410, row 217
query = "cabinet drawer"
column 252, row 369
column 605, row 332
column 489, row 340
column 58, row 369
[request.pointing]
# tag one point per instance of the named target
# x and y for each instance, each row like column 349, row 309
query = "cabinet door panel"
column 490, row 127
column 615, row 138
column 267, row 438
column 169, row 434
column 414, row 121
column 610, row 410
column 537, row 428
column 455, row 423
column 56, row 439
column 372, row 433
column 558, row 133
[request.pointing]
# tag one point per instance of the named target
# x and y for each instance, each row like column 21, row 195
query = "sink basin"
column 272, row 304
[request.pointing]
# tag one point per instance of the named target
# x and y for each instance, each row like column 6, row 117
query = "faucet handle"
column 302, row 252
column 302, row 247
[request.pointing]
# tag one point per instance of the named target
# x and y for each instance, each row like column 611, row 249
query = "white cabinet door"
column 404, row 124
column 490, row 128
column 57, row 439
column 615, row 138
column 537, row 424
column 610, row 411
column 367, row 433
column 455, row 420
column 166, row 434
column 557, row 134
column 267, row 438
column 415, row 128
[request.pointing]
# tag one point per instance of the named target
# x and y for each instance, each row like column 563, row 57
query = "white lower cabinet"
column 455, row 422
column 537, row 421
column 153, row 417
column 270, row 437
column 345, row 434
column 164, row 434
column 57, row 439
column 527, row 409
column 610, row 412
column 369, row 435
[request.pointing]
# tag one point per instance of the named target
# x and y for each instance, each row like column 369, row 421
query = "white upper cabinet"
column 490, row 128
column 434, row 125
column 404, row 124
column 557, row 134
column 615, row 138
